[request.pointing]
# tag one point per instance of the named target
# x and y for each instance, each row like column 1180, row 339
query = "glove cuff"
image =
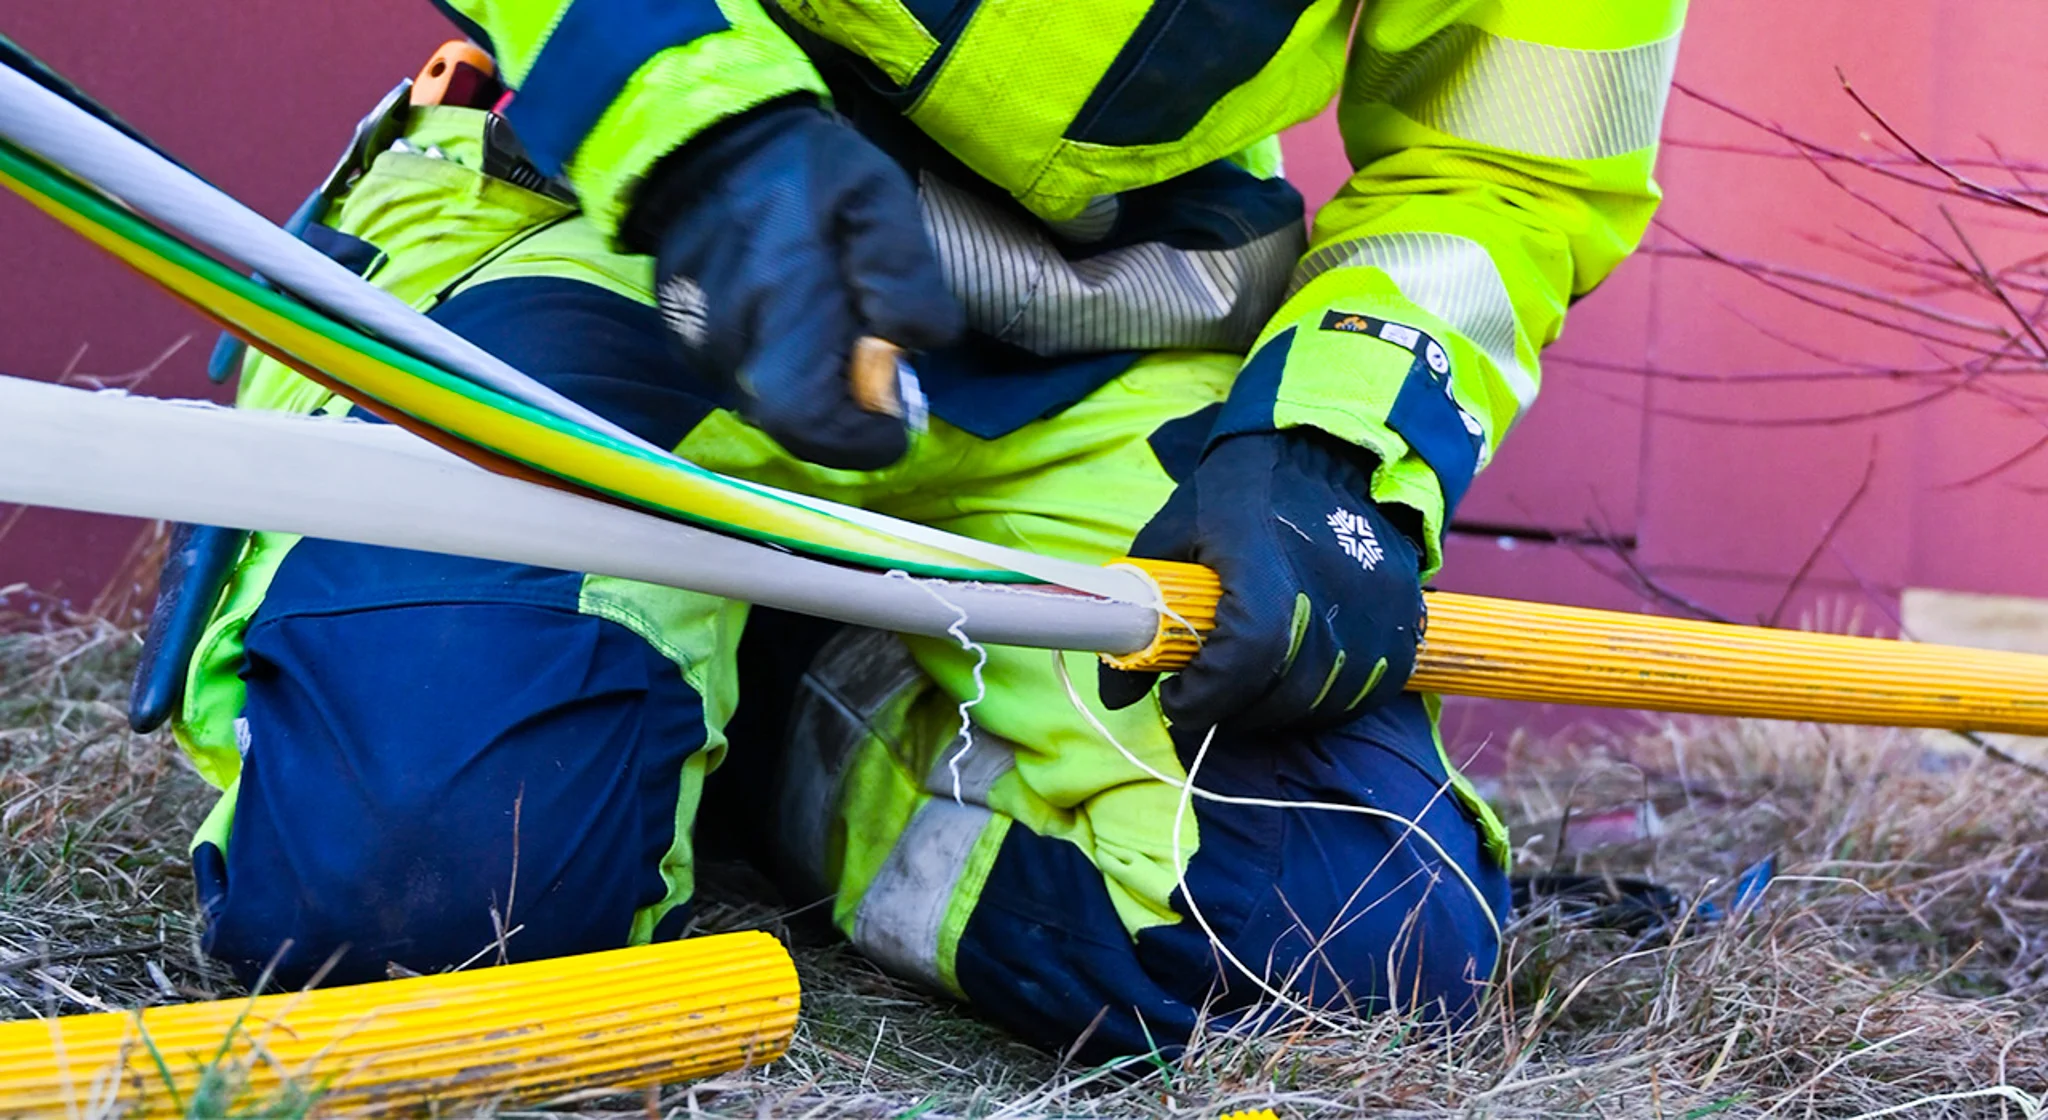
column 678, row 179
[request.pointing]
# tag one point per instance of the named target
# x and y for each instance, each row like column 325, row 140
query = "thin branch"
column 1756, row 377
column 89, row 953
column 1877, row 168
column 1827, row 536
column 1849, row 312
column 1765, row 273
column 1999, row 467
column 1996, row 753
column 1719, row 148
column 1991, row 285
column 1861, row 417
column 1958, row 178
column 1639, row 578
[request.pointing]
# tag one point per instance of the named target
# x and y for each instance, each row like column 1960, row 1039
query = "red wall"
column 1729, row 489
column 1718, row 490
column 258, row 96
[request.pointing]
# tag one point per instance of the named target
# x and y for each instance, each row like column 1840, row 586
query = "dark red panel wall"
column 257, row 95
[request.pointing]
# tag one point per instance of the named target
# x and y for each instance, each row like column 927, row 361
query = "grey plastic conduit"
column 108, row 452
column 63, row 134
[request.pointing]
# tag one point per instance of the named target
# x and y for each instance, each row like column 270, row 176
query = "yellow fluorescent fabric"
column 1293, row 87
column 1525, row 97
column 676, row 94
column 679, row 93
column 1494, row 182
column 1585, row 27
column 1014, row 81
column 517, row 29
column 1498, row 177
column 1076, row 486
column 1001, row 100
column 882, row 31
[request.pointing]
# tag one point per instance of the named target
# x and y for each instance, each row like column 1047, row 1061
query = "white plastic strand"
column 75, row 140
column 1189, row 790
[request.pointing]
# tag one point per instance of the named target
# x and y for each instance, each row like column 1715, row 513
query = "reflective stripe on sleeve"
column 1525, row 97
column 1017, row 287
column 1450, row 277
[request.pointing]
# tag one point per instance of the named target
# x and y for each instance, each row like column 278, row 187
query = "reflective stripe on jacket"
column 1503, row 153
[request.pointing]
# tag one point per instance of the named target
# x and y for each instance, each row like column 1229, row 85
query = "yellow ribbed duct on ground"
column 626, row 1019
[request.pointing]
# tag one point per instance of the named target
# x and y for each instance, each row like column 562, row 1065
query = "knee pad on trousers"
column 1340, row 911
column 1346, row 911
column 434, row 783
column 843, row 699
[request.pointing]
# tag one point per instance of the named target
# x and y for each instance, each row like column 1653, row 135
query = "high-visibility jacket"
column 1503, row 153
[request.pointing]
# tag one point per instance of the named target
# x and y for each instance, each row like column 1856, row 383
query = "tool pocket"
column 431, row 209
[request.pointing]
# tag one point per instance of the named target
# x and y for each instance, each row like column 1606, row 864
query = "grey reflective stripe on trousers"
column 904, row 910
column 1450, row 277
column 903, row 914
column 857, row 676
column 1018, row 287
column 1523, row 96
column 968, row 768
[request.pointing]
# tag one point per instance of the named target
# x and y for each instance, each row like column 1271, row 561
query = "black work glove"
column 1322, row 594
column 780, row 237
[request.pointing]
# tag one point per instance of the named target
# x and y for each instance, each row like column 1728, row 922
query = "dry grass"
column 96, row 905
column 1900, row 961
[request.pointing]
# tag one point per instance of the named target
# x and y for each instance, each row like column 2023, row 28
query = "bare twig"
column 1827, row 537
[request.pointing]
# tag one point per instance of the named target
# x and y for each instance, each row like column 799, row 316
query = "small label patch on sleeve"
column 1412, row 339
column 1406, row 337
column 1426, row 412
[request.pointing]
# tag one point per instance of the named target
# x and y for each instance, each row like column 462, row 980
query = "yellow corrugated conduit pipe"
column 1513, row 650
column 624, row 1019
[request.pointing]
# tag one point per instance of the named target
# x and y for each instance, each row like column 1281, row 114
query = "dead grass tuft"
column 1898, row 962
column 96, row 905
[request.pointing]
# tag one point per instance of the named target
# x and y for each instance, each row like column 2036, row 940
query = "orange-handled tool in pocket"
column 459, row 74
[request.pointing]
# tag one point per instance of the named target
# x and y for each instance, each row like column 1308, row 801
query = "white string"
column 1159, row 603
column 958, row 631
column 1183, row 807
column 1189, row 790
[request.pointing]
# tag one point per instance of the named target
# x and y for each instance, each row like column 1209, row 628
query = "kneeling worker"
column 684, row 217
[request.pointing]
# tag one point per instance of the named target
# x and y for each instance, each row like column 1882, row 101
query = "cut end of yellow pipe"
column 623, row 1020
column 1188, row 594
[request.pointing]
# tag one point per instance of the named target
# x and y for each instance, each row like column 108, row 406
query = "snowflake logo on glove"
column 1355, row 537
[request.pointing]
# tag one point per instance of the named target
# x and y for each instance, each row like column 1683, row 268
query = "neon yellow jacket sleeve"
column 607, row 87
column 1503, row 169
